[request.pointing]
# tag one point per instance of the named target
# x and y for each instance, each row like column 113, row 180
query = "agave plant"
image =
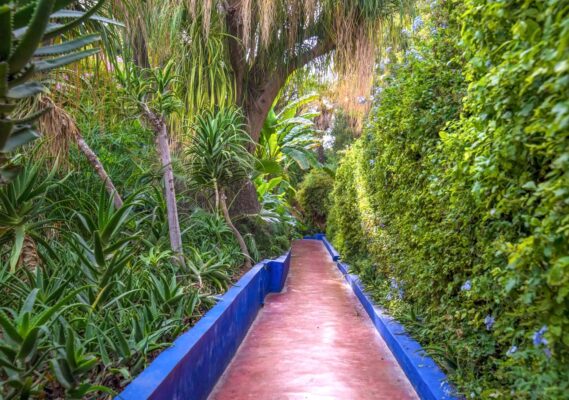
column 102, row 247
column 23, row 332
column 24, row 26
column 21, row 203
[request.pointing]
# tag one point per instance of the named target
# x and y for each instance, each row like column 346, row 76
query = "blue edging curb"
column 192, row 365
column 427, row 378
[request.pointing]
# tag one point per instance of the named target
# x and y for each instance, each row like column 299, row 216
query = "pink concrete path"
column 313, row 341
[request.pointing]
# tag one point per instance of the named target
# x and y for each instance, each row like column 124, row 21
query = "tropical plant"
column 218, row 157
column 25, row 25
column 23, row 214
column 288, row 137
column 243, row 52
column 151, row 92
column 102, row 246
column 313, row 197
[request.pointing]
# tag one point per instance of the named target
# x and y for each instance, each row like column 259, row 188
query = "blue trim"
column 320, row 236
column 190, row 368
column 427, row 378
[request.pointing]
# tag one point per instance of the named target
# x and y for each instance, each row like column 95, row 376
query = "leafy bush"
column 25, row 25
column 458, row 220
column 89, row 292
column 313, row 197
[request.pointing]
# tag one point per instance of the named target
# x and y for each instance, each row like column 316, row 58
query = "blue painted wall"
column 190, row 368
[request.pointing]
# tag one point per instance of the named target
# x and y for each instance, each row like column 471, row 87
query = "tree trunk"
column 99, row 169
column 242, row 244
column 163, row 146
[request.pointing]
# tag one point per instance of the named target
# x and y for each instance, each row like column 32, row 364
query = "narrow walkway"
column 313, row 341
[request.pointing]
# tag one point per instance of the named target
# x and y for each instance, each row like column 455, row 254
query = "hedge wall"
column 454, row 204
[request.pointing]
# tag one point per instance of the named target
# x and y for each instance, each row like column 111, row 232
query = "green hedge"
column 313, row 198
column 454, row 204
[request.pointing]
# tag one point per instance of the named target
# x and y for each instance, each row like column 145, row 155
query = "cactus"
column 25, row 26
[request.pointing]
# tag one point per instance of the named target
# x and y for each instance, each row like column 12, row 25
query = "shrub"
column 313, row 198
column 457, row 220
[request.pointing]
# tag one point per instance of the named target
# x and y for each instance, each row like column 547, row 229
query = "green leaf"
column 10, row 329
column 48, row 65
column 30, row 301
column 31, row 39
column 19, row 235
column 5, row 32
column 30, row 343
column 559, row 272
column 26, row 90
column 63, row 373
column 80, row 14
column 67, row 47
column 52, row 33
column 20, row 138
column 98, row 249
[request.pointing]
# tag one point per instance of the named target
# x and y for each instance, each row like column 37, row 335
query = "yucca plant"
column 24, row 26
column 218, row 157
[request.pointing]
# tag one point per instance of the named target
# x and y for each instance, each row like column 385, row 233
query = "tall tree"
column 263, row 42
column 270, row 39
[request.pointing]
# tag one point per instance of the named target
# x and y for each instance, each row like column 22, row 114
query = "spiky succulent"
column 31, row 42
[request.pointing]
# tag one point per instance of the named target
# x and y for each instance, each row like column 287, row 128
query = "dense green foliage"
column 313, row 198
column 93, row 292
column 455, row 211
column 25, row 25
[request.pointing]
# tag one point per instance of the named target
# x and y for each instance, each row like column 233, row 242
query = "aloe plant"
column 24, row 26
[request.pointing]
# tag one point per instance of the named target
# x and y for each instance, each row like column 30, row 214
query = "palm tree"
column 218, row 157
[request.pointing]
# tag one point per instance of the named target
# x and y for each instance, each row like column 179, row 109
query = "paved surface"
column 313, row 341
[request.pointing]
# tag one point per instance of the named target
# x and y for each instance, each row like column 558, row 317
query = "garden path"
column 313, row 341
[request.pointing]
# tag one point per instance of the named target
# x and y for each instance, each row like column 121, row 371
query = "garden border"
column 192, row 365
column 429, row 381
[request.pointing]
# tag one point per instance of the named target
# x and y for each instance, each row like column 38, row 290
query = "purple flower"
column 394, row 284
column 415, row 54
column 401, row 293
column 547, row 352
column 489, row 322
column 538, row 338
column 388, row 297
column 417, row 23
column 466, row 287
column 511, row 351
